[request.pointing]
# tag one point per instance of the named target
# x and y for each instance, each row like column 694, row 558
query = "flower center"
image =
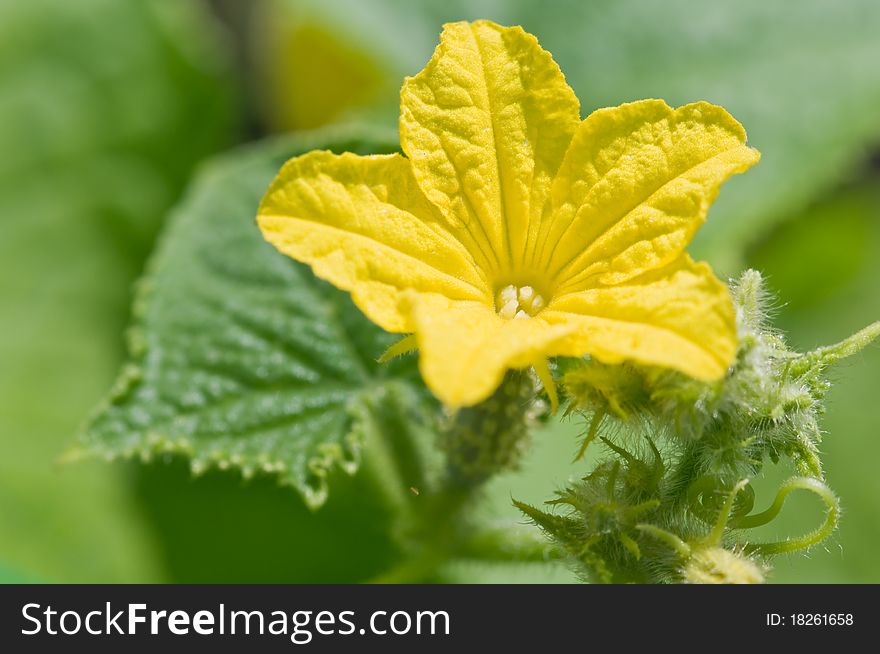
column 518, row 302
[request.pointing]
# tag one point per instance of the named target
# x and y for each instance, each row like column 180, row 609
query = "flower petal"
column 363, row 224
column 465, row 348
column 635, row 185
column 679, row 316
column 486, row 125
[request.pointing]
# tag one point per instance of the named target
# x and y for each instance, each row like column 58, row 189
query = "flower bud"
column 716, row 565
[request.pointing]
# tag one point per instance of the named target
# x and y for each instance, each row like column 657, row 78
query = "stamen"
column 508, row 294
column 514, row 302
column 509, row 310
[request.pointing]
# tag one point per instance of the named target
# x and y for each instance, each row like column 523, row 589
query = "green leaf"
column 105, row 106
column 241, row 358
column 804, row 82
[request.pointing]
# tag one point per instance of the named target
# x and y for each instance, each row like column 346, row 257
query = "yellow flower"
column 511, row 231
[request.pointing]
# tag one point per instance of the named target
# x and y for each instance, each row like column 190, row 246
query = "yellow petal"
column 465, row 348
column 635, row 185
column 486, row 125
column 363, row 224
column 679, row 316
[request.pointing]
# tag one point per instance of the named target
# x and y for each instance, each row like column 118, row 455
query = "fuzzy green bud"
column 716, row 565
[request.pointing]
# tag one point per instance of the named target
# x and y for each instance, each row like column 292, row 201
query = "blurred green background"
column 107, row 108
